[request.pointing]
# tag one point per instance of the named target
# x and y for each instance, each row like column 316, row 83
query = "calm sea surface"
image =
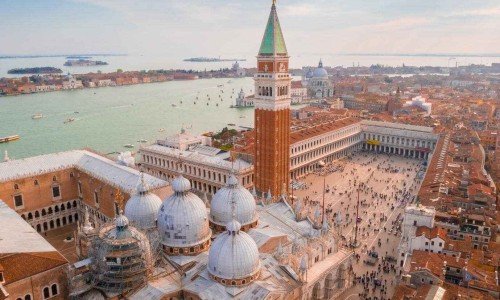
column 109, row 118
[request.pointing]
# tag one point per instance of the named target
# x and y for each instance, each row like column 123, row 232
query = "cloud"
column 199, row 27
column 486, row 12
column 403, row 23
column 299, row 10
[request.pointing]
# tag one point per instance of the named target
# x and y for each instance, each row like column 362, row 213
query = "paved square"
column 387, row 184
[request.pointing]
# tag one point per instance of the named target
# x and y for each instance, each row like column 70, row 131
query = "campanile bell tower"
column 272, row 111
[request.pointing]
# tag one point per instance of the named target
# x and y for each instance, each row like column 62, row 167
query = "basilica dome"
column 309, row 74
column 234, row 257
column 320, row 72
column 113, row 249
column 221, row 206
column 142, row 208
column 183, row 221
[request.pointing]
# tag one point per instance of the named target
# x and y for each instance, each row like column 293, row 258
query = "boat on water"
column 142, row 141
column 77, row 112
column 231, row 124
column 220, row 85
column 37, row 116
column 173, row 105
column 128, row 146
column 9, row 138
column 69, row 120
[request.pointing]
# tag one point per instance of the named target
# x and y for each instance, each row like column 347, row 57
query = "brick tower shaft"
column 272, row 112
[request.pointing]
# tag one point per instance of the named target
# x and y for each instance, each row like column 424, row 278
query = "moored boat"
column 9, row 138
column 69, row 120
column 128, row 146
column 37, row 116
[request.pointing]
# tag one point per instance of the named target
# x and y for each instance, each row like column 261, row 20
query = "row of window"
column 56, row 223
column 96, row 194
column 306, row 169
column 399, row 141
column 192, row 170
column 324, row 150
column 43, row 212
column 432, row 244
column 455, row 232
column 50, row 292
column 265, row 91
column 19, row 200
column 331, row 137
column 36, row 183
column 271, row 76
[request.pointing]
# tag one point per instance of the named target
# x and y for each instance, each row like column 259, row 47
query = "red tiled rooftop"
column 309, row 132
column 431, row 232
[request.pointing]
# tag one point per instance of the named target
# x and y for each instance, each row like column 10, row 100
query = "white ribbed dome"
column 182, row 217
column 142, row 208
column 234, row 254
column 244, row 204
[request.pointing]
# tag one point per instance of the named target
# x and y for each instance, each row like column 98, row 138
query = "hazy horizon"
column 215, row 27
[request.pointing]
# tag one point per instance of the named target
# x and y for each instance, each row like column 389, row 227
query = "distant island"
column 78, row 57
column 84, row 63
column 208, row 59
column 60, row 55
column 36, row 70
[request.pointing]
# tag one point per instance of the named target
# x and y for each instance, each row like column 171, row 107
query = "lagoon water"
column 109, row 118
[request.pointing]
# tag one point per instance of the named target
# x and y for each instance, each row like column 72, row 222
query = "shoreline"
column 43, row 83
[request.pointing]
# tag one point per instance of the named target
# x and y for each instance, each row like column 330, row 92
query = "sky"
column 186, row 28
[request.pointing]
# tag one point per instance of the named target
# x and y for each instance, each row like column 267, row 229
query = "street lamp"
column 355, row 243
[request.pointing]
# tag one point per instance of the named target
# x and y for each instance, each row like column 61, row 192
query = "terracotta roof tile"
column 22, row 265
column 431, row 232
column 307, row 133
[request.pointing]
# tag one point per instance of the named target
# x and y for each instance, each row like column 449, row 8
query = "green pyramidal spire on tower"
column 273, row 42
